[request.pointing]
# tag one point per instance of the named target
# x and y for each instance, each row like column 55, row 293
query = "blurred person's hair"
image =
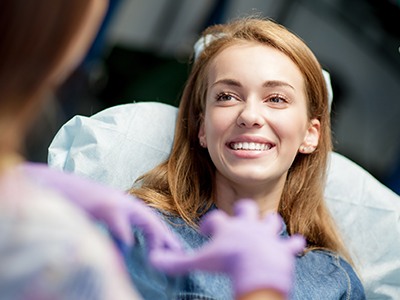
column 35, row 37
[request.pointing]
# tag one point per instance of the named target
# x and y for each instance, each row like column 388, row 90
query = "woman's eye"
column 276, row 99
column 225, row 97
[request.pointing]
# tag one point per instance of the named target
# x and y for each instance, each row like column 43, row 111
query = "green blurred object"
column 142, row 76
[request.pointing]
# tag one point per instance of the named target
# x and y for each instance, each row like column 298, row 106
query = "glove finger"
column 120, row 227
column 247, row 209
column 174, row 262
column 212, row 221
column 296, row 243
column 165, row 240
column 274, row 223
column 157, row 234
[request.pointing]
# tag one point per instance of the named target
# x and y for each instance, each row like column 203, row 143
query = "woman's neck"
column 268, row 198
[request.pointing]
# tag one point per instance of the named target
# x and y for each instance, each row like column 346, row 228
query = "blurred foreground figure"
column 49, row 248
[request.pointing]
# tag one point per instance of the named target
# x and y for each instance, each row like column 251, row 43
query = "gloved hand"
column 117, row 209
column 245, row 247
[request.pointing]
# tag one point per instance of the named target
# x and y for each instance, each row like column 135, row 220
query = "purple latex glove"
column 245, row 247
column 116, row 208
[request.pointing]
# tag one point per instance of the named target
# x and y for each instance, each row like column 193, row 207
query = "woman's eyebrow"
column 268, row 83
column 277, row 83
column 227, row 81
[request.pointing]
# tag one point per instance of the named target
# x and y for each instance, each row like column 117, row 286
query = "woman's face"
column 255, row 120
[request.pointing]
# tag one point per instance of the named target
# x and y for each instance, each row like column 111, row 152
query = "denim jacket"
column 318, row 274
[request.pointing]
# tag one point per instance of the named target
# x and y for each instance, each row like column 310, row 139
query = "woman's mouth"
column 250, row 146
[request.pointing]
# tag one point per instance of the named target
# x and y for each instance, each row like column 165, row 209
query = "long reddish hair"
column 184, row 184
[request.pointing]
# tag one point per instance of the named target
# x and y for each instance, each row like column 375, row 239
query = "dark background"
column 143, row 48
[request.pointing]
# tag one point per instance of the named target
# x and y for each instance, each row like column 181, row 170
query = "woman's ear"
column 202, row 134
column 311, row 138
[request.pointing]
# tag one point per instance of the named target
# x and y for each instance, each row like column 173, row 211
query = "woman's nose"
column 251, row 115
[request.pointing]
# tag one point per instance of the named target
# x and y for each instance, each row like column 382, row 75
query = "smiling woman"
column 256, row 123
column 253, row 123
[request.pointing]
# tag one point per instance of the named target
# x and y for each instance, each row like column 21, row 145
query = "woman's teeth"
column 250, row 146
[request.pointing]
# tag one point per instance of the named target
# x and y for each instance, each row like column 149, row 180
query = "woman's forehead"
column 251, row 61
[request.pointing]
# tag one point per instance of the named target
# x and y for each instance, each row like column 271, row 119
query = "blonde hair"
column 184, row 184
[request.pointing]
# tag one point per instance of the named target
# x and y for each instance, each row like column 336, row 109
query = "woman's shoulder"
column 325, row 273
